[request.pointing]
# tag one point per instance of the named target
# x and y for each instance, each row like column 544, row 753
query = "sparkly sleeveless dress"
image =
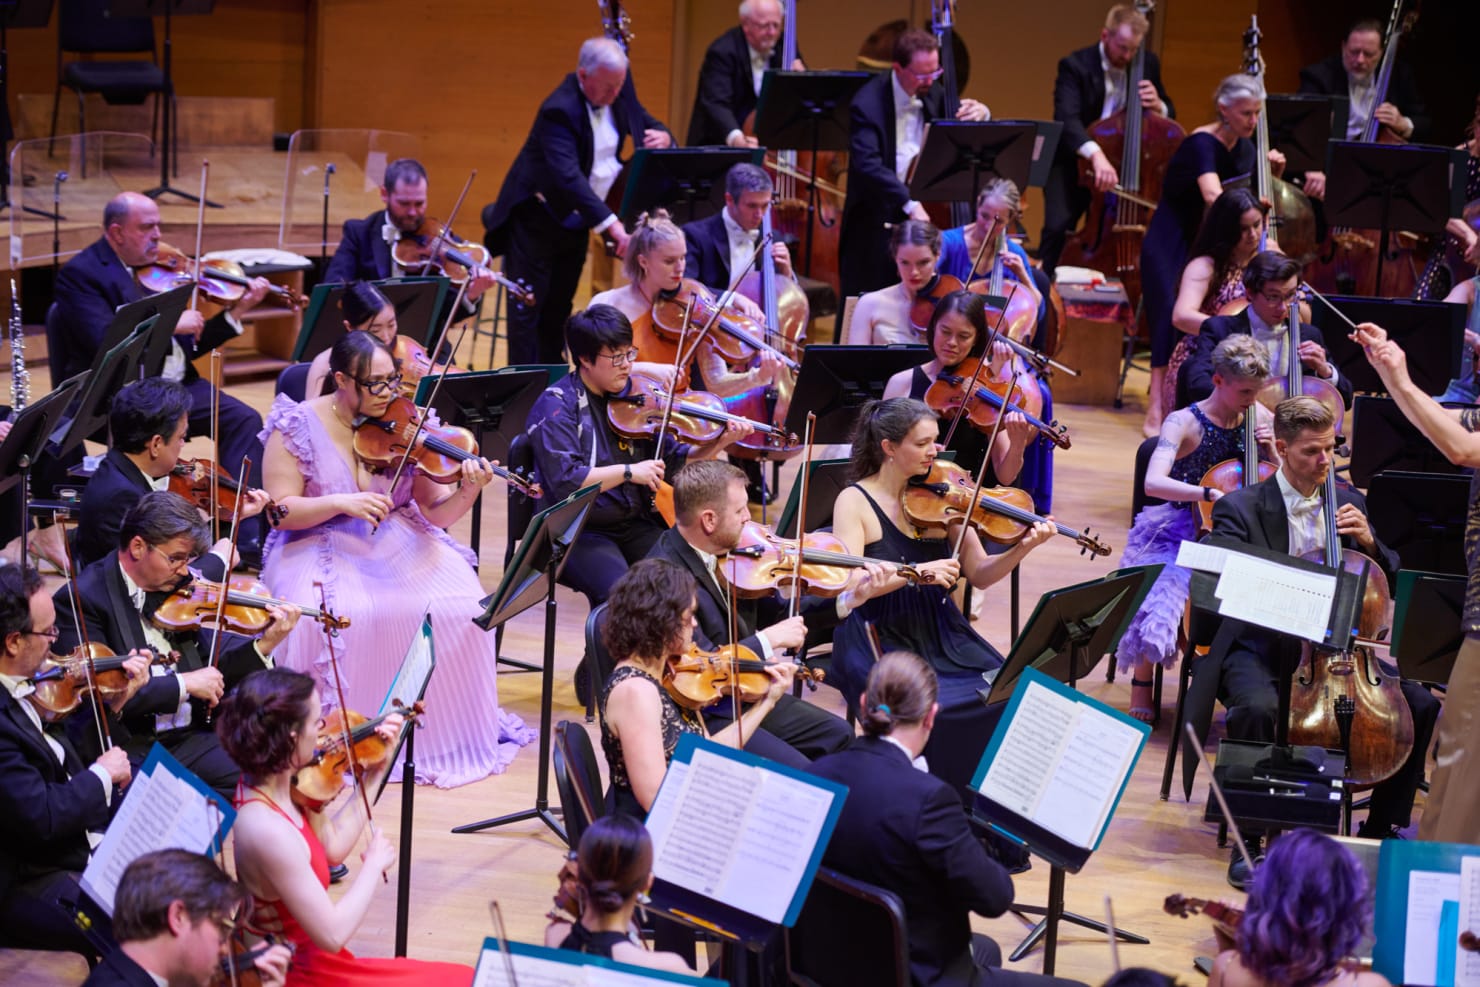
column 316, row 967
column 1231, row 289
column 1155, row 537
column 383, row 581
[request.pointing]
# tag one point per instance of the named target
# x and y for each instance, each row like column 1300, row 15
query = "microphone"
column 328, row 170
column 61, row 177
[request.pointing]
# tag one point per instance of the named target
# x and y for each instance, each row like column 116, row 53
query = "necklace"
column 339, row 415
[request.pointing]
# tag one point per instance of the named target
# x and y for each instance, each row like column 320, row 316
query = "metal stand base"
column 1048, row 929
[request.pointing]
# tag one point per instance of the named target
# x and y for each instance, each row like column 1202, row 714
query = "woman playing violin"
column 366, row 309
column 650, row 617
column 384, row 559
column 883, row 317
column 896, row 440
column 998, row 207
column 270, row 726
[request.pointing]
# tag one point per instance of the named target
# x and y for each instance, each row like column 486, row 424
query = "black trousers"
column 32, row 918
column 198, row 749
column 549, row 258
column 804, row 732
column 239, row 427
column 599, row 556
column 1064, row 203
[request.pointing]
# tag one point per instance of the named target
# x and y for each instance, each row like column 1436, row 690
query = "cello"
column 1116, row 222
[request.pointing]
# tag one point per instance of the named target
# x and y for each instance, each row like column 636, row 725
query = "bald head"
column 131, row 227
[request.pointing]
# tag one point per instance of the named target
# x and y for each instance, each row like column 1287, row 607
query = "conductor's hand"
column 648, row 473
column 205, row 684
column 1386, row 356
column 380, row 853
column 1352, row 523
column 787, row 635
column 366, row 506
column 284, row 619
column 115, row 762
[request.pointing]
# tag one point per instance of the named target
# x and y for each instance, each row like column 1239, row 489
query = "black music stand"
column 168, row 9
column 1432, row 335
column 826, row 478
column 1384, row 440
column 167, row 305
column 417, row 301
column 1393, row 186
column 839, row 380
column 496, row 401
column 1301, row 125
column 110, row 372
column 530, row 576
column 959, row 156
column 27, row 440
column 690, row 177
column 1421, row 516
column 801, row 111
column 1428, row 612
column 1045, row 146
column 20, row 14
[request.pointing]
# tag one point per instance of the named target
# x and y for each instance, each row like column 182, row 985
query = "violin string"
column 436, row 386
column 981, row 472
column 100, row 721
column 982, row 363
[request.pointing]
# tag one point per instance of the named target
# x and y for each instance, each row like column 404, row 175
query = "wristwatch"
column 627, row 473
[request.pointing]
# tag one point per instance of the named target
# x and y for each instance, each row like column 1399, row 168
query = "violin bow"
column 976, row 262
column 446, row 228
column 795, row 606
column 724, row 299
column 1194, row 749
column 436, row 385
column 1110, row 934
column 100, row 719
column 735, row 660
column 216, row 381
column 673, row 390
column 344, row 734
column 874, row 644
column 981, row 471
column 200, row 228
column 502, row 935
column 236, row 527
column 985, row 360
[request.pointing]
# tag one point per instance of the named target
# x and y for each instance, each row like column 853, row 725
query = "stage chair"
column 1200, row 631
column 293, row 381
column 849, row 932
column 577, row 779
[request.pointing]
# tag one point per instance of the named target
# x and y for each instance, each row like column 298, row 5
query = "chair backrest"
column 86, row 26
column 849, row 304
column 293, row 381
column 577, row 778
column 599, row 660
column 849, row 932
column 1139, row 497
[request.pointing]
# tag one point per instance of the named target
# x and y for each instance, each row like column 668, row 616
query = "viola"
column 202, row 482
column 764, row 562
column 736, row 337
column 1226, row 918
column 238, row 967
column 699, row 678
column 437, row 450
column 433, row 249
column 698, row 417
column 941, row 498
column 222, row 281
column 62, row 681
column 948, row 390
column 197, row 604
column 413, row 362
column 318, row 782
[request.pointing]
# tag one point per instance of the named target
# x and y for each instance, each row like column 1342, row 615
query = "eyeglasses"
column 927, row 77
column 175, row 561
column 619, row 360
column 389, row 385
column 1280, row 299
column 51, row 633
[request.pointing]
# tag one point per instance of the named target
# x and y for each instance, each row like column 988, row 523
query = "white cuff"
column 184, row 695
column 730, row 137
column 602, row 226
column 266, row 659
column 1087, row 149
column 766, row 649
column 234, row 323
column 107, row 781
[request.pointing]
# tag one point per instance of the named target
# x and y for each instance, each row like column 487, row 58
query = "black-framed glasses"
column 620, row 360
column 389, row 385
column 51, row 633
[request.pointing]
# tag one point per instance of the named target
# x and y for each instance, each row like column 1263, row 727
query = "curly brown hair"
column 258, row 722
column 645, row 613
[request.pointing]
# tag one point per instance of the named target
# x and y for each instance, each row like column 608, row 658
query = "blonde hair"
column 1301, row 414
column 1241, row 356
column 652, row 231
column 1122, row 14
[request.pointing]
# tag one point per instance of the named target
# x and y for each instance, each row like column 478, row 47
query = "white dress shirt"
column 918, row 763
column 1307, row 527
column 1274, row 339
column 1362, row 94
column 758, row 65
column 742, row 245
column 160, row 645
column 604, row 164
column 909, row 127
column 1115, row 81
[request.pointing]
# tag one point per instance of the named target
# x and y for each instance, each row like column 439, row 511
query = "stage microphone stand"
column 56, row 221
column 170, row 123
column 324, row 223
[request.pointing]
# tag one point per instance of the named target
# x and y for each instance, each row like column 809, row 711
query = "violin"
column 948, row 390
column 318, row 782
column 437, row 450
column 413, row 363
column 767, row 562
column 923, row 307
column 698, row 417
column 62, row 681
column 433, row 249
column 222, row 281
column 238, row 967
column 200, row 480
column 939, row 499
column 700, row 678
column 736, row 336
column 1226, row 918
column 198, row 602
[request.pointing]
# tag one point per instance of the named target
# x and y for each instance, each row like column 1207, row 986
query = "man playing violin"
column 173, row 915
column 730, row 79
column 159, row 537
column 93, row 284
column 711, row 508
column 1284, row 514
column 53, row 809
column 148, row 422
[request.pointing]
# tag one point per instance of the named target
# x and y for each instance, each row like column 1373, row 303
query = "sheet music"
column 1428, row 891
column 540, row 966
column 1202, row 556
column 532, row 971
column 1061, row 765
column 1277, row 597
column 1467, row 964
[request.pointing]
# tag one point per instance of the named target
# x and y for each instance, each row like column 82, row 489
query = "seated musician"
column 575, row 445
column 1193, row 440
column 614, row 867
column 101, row 278
column 173, row 913
column 651, row 617
column 710, row 506
column 147, row 421
column 1307, row 912
column 883, row 317
column 1463, row 389
column 998, row 207
column 160, row 535
column 654, row 265
column 721, row 246
column 367, row 247
column 894, row 441
column 366, row 309
column 886, row 128
column 53, row 809
column 730, row 78
column 1284, row 514
column 903, row 829
column 958, row 332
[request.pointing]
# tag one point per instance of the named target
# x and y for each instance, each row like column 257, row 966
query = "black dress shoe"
column 583, row 683
column 1379, row 832
column 338, row 873
column 1239, row 875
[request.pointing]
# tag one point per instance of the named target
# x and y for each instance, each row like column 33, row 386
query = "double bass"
column 1291, row 225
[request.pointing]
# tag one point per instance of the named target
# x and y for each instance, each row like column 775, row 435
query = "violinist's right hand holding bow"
column 365, row 505
column 379, row 855
column 272, row 965
column 114, row 763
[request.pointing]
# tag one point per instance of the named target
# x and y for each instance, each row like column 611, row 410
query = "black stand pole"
column 56, row 218
column 812, row 191
column 166, row 131
column 541, row 810
column 324, row 224
column 403, row 877
column 5, row 100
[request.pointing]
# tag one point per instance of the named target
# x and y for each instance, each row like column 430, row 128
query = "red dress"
column 315, row 967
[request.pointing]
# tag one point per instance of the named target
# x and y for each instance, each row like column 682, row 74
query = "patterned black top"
column 1471, row 421
column 676, row 721
column 1217, row 445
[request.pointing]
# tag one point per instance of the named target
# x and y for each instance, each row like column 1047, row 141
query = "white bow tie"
column 1307, row 506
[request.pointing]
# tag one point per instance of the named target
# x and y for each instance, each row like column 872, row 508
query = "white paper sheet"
column 1277, row 597
column 1467, row 964
column 1201, row 555
column 1427, row 892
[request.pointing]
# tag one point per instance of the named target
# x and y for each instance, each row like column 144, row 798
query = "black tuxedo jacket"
column 905, row 830
column 110, row 618
column 118, row 970
column 1079, row 96
column 556, row 158
column 46, row 808
column 363, row 255
column 1195, row 377
column 89, row 288
column 726, row 93
column 115, row 487
column 1328, row 78
column 708, row 251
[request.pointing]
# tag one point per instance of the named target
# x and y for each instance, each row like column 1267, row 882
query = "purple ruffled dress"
column 1156, row 536
column 383, row 582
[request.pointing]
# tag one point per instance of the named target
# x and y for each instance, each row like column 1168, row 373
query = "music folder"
column 521, row 964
